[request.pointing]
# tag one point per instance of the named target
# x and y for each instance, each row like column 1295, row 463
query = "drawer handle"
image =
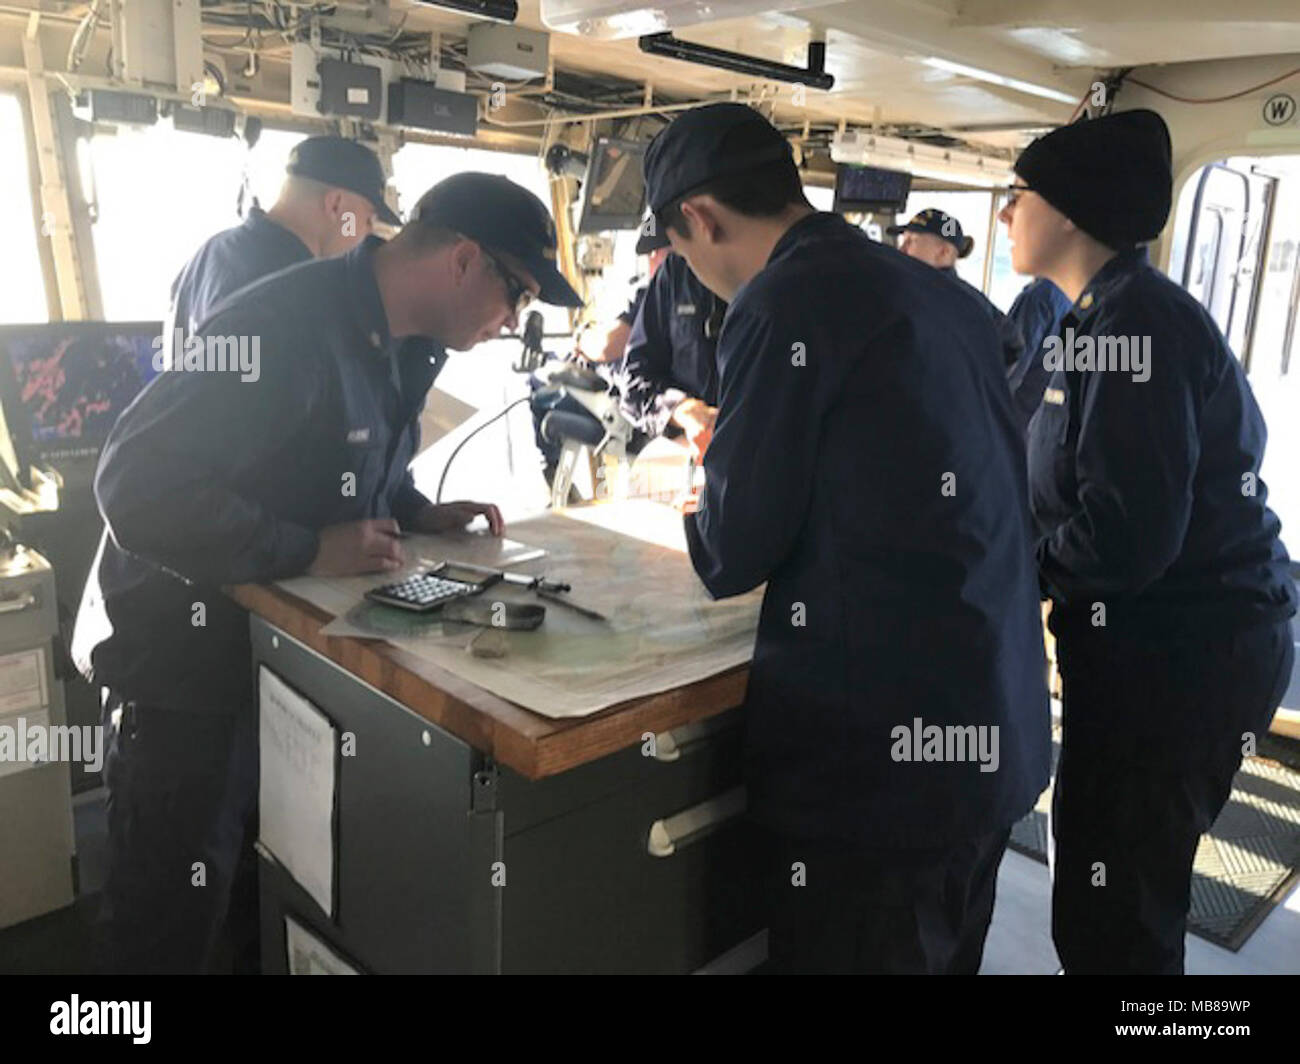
column 17, row 603
column 673, row 833
column 672, row 745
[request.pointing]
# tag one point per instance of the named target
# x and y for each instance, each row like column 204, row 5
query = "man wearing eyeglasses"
column 216, row 478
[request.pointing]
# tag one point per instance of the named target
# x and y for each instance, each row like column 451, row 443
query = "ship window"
column 22, row 286
column 158, row 194
column 971, row 209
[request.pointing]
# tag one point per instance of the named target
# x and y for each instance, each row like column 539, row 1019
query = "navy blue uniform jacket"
column 1012, row 339
column 867, row 466
column 1037, row 311
column 1146, row 493
column 229, row 261
column 209, row 480
column 669, row 358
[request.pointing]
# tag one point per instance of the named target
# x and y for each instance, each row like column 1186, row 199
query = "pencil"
column 572, row 605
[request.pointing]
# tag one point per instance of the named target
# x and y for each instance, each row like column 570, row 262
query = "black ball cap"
column 936, row 223
column 342, row 163
column 653, row 237
column 502, row 216
column 1111, row 176
column 706, row 143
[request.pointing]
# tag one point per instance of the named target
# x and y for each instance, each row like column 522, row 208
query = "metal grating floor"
column 1245, row 864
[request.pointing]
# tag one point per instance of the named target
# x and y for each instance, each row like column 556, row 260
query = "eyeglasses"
column 1014, row 194
column 517, row 293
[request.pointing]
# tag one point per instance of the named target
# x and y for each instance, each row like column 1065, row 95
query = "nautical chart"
column 626, row 561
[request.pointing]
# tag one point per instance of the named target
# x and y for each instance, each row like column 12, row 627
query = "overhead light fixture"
column 814, row 75
column 499, row 10
column 859, row 148
column 616, row 19
column 998, row 79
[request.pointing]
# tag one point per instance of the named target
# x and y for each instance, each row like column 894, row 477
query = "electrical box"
column 422, row 105
column 117, row 108
column 158, row 43
column 507, row 52
column 450, row 80
column 321, row 83
column 212, row 121
column 304, row 80
column 354, row 89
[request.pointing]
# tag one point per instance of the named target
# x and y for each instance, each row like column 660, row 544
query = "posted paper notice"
column 296, row 795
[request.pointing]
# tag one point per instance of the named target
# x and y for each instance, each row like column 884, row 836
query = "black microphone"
column 533, row 355
column 533, row 331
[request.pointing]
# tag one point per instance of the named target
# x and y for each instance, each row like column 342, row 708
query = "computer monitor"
column 613, row 192
column 63, row 385
column 869, row 189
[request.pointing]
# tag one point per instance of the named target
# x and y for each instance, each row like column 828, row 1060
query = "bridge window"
column 1236, row 248
column 972, row 209
column 159, row 194
column 418, row 167
column 22, row 285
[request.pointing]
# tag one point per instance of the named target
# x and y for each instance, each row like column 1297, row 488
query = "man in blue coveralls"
column 866, row 464
column 214, row 477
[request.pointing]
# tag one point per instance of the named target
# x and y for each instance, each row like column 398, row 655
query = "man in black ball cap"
column 866, row 465
column 332, row 195
column 215, row 478
column 936, row 238
column 1169, row 584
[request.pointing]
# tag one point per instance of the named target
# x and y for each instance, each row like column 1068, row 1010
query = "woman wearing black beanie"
column 1169, row 583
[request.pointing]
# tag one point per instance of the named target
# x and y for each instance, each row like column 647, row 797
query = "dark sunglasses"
column 517, row 293
column 1014, row 194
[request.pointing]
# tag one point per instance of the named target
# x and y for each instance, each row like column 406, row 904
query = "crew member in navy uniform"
column 936, row 238
column 1170, row 592
column 332, row 194
column 217, row 478
column 1037, row 312
column 668, row 379
column 604, row 348
column 866, row 465
column 609, row 346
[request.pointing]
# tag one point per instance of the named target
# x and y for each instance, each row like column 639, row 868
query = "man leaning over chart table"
column 210, row 479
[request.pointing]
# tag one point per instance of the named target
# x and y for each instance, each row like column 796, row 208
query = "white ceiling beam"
column 1073, row 14
column 921, row 31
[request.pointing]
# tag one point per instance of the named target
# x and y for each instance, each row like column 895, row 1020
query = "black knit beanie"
column 1111, row 176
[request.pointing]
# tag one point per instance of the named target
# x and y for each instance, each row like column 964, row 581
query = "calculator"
column 430, row 590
